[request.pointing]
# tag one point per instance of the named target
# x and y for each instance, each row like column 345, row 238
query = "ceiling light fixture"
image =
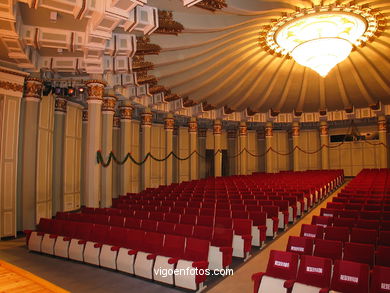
column 321, row 37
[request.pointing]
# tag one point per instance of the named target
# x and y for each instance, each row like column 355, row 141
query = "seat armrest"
column 173, row 260
column 132, row 252
column 289, row 284
column 151, row 256
column 80, row 242
column 53, row 236
column 226, row 249
column 115, row 248
column 27, row 232
column 97, row 245
column 66, row 238
column 256, row 278
column 246, row 237
column 324, row 290
column 40, row 233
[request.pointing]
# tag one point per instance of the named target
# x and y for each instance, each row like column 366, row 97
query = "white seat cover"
column 47, row 245
column 34, row 243
column 162, row 263
column 91, row 253
column 76, row 250
column 61, row 247
column 143, row 267
column 256, row 236
column 215, row 258
column 124, row 261
column 302, row 288
column 238, row 246
column 272, row 285
column 108, row 257
column 184, row 280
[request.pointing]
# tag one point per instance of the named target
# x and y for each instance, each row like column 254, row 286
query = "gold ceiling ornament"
column 167, row 25
column 212, row 5
column 139, row 64
column 187, row 102
column 144, row 47
column 143, row 78
column 322, row 37
column 171, row 97
column 207, row 107
column 157, row 89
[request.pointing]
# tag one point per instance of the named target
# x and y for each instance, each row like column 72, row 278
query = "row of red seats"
column 289, row 272
column 327, row 220
column 131, row 251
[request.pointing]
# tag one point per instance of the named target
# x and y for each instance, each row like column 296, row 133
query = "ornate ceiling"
column 201, row 62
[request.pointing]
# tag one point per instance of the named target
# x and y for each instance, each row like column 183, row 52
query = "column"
column 269, row 157
column 146, row 125
column 125, row 111
column 382, row 127
column 58, row 151
column 295, row 139
column 84, row 156
column 217, row 130
column 243, row 144
column 169, row 122
column 93, row 142
column 324, row 138
column 108, row 110
column 202, row 133
column 260, row 135
column 192, row 133
column 116, row 149
column 32, row 99
column 232, row 150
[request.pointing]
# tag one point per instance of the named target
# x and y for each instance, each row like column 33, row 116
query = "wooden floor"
column 241, row 281
column 16, row 280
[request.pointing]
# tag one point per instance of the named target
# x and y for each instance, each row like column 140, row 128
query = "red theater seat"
column 350, row 277
column 300, row 245
column 380, row 280
column 312, row 231
column 359, row 252
column 328, row 248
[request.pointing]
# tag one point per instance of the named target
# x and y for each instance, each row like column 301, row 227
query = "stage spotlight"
column 47, row 88
column 71, row 91
column 81, row 90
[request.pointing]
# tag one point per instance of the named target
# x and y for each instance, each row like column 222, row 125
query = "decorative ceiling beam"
column 212, row 5
column 167, row 25
column 144, row 47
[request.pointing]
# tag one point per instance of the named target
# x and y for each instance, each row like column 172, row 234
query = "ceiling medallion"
column 322, row 37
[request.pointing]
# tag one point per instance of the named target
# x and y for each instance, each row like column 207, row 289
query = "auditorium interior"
column 195, row 145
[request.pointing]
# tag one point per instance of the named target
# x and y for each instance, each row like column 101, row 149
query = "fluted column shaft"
column 116, row 128
column 217, row 131
column 146, row 125
column 295, row 138
column 169, row 123
column 269, row 157
column 31, row 103
column 126, row 111
column 243, row 144
column 108, row 110
column 382, row 131
column 324, row 138
column 193, row 132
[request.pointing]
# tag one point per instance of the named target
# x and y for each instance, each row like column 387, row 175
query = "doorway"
column 210, row 172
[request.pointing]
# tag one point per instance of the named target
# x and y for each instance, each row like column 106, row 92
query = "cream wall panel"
column 280, row 143
column 72, row 158
column 9, row 137
column 184, row 165
column 44, row 158
column 158, row 150
column 252, row 162
column 175, row 162
column 309, row 140
column 135, row 174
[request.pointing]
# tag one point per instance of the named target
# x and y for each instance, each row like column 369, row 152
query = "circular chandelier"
column 321, row 37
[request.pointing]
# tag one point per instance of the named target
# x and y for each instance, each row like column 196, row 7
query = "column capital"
column 146, row 118
column 125, row 111
column 243, row 129
column 169, row 123
column 217, row 127
column 85, row 115
column 109, row 104
column 116, row 122
column 192, row 125
column 324, row 130
column 95, row 90
column 295, row 129
column 382, row 124
column 33, row 89
column 60, row 105
column 268, row 129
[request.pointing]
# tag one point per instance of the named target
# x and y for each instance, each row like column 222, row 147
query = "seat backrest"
column 83, row 230
column 223, row 222
column 206, row 221
column 384, row 238
column 282, row 265
column 350, row 277
column 359, row 252
column 328, row 248
column 56, row 226
column 337, row 233
column 203, row 232
column 300, row 245
column 344, row 222
column 222, row 237
column 189, row 219
column 258, row 218
column 380, row 279
column 62, row 215
column 360, row 235
column 321, row 221
column 141, row 214
column 88, row 210
column 153, row 242
column 312, row 231
column 69, row 229
column 315, row 271
column 99, row 233
column 117, row 236
column 45, row 225
column 132, row 223
column 184, row 230
column 242, row 226
column 173, row 246
column 382, row 256
column 149, row 225
column 196, row 249
column 165, row 227
column 222, row 213
column 272, row 211
column 117, row 221
column 101, row 219
column 157, row 216
column 172, row 217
